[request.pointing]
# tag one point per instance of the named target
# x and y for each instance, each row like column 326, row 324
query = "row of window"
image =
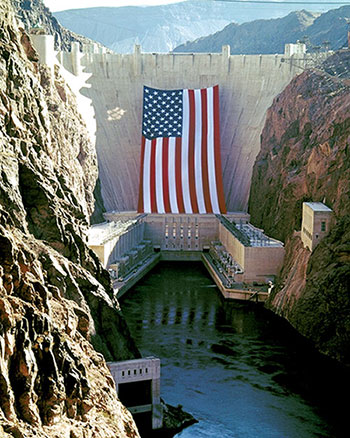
column 182, row 231
column 172, row 245
column 305, row 231
column 135, row 372
column 309, row 235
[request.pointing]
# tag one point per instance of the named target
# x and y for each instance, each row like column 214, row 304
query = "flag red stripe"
column 140, row 204
column 206, row 190
column 165, row 167
column 218, row 170
column 191, row 162
column 153, row 177
column 180, row 201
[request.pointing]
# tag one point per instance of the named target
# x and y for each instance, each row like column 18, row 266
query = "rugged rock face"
column 305, row 156
column 55, row 299
column 33, row 13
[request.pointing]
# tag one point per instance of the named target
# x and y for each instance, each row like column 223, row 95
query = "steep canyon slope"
column 270, row 36
column 305, row 156
column 56, row 305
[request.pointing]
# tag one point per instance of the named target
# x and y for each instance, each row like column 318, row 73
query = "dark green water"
column 241, row 371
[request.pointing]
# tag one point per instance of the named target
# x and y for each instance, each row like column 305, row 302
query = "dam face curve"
column 248, row 84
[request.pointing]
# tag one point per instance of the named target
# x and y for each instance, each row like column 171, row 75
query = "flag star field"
column 162, row 113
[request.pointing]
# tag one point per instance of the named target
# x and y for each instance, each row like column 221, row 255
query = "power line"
column 81, row 15
column 281, row 3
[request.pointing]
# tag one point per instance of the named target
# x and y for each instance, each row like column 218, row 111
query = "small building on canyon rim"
column 316, row 222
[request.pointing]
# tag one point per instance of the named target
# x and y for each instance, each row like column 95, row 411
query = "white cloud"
column 62, row 5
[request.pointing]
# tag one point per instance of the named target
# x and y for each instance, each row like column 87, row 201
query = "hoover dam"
column 113, row 83
column 247, row 83
column 110, row 96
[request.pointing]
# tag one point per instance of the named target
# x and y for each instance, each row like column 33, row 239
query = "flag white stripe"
column 159, row 176
column 171, row 176
column 211, row 153
column 147, row 178
column 198, row 151
column 184, row 152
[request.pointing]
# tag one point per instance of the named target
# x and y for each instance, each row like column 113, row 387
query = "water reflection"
column 240, row 371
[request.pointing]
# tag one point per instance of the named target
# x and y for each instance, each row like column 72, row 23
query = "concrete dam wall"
column 248, row 84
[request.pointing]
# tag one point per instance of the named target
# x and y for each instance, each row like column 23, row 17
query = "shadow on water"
column 238, row 368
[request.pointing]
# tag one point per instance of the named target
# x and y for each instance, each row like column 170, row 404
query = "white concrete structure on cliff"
column 69, row 67
column 295, row 49
column 138, row 386
column 316, row 223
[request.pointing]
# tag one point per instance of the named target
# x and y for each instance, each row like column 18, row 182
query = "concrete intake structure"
column 316, row 222
column 138, row 386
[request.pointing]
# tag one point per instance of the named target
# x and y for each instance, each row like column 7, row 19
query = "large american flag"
column 180, row 152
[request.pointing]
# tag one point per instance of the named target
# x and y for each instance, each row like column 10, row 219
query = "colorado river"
column 241, row 371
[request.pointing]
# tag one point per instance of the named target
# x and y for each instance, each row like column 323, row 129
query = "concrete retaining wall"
column 259, row 262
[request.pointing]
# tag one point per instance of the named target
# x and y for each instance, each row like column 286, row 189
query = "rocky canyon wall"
column 305, row 156
column 57, row 311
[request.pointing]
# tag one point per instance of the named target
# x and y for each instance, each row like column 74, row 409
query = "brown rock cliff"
column 305, row 155
column 55, row 299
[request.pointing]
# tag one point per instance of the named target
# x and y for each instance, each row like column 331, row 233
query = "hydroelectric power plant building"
column 236, row 253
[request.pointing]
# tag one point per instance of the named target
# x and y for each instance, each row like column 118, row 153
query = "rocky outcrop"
column 305, row 156
column 33, row 13
column 36, row 18
column 56, row 304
